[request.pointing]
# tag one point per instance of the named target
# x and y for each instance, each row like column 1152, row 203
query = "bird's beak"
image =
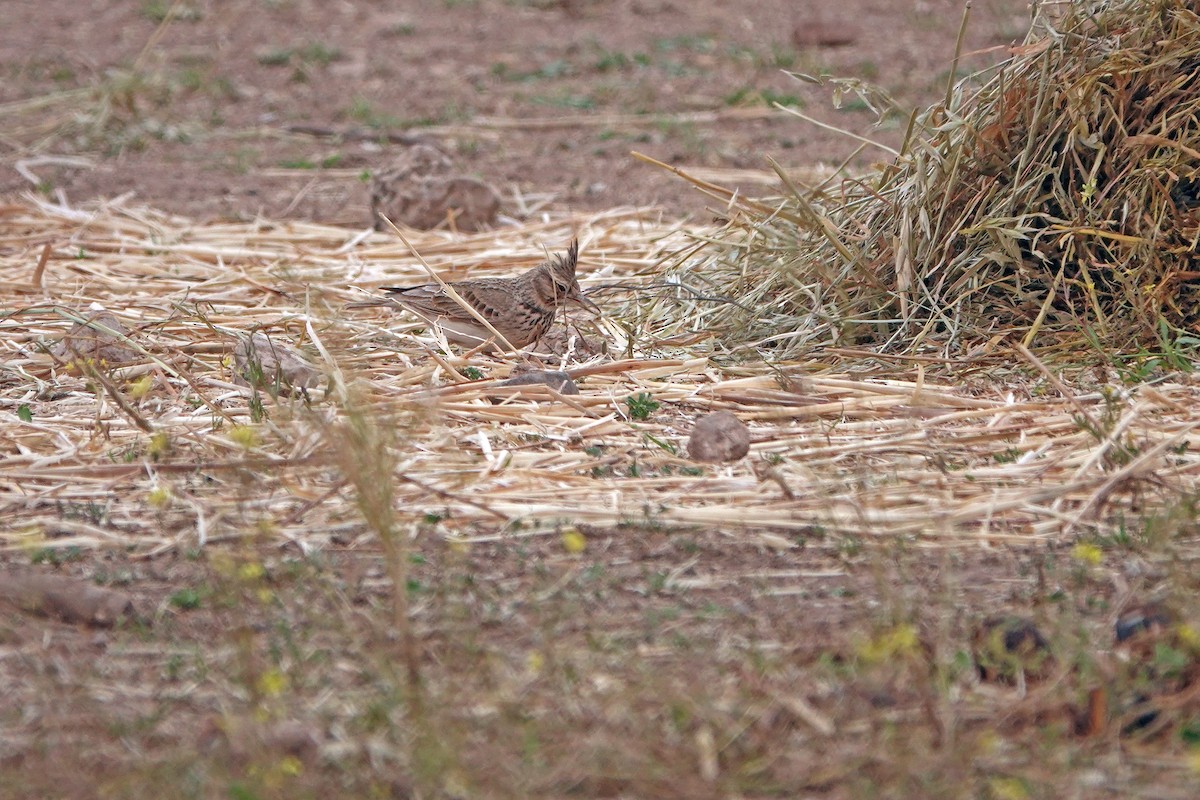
column 588, row 304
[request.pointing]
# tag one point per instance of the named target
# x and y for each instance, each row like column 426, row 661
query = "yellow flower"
column 141, row 387
column 1008, row 789
column 290, row 765
column 1089, row 554
column 573, row 541
column 1193, row 760
column 251, row 571
column 1189, row 637
column 244, row 436
column 272, row 683
column 160, row 445
column 988, row 742
column 32, row 537
column 901, row 640
column 159, row 497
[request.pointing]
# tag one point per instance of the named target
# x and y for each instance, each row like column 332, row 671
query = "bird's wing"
column 431, row 299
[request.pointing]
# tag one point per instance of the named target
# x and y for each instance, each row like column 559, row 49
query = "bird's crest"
column 564, row 265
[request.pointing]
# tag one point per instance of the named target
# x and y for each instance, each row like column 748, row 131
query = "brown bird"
column 521, row 309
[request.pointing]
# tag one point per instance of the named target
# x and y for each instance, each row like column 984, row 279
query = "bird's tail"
column 383, row 301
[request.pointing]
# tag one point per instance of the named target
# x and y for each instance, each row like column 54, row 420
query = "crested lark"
column 521, row 309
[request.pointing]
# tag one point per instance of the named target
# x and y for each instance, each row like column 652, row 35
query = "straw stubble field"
column 880, row 446
column 583, row 608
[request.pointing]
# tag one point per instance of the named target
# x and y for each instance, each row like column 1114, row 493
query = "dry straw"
column 1052, row 201
column 191, row 454
column 1054, row 205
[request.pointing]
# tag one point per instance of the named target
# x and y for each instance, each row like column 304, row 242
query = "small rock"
column 823, row 34
column 294, row 738
column 1141, row 710
column 558, row 381
column 1141, row 631
column 562, row 341
column 1006, row 647
column 100, row 340
column 1152, row 619
column 422, row 190
column 719, row 436
column 1094, row 779
column 650, row 8
column 272, row 366
column 70, row 599
column 246, row 740
column 471, row 203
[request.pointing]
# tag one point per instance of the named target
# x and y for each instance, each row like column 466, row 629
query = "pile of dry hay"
column 1056, row 204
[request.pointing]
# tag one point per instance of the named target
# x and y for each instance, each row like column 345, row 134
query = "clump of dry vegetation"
column 1050, row 200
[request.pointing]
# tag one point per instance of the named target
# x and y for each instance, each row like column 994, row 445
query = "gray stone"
column 718, row 437
column 558, row 381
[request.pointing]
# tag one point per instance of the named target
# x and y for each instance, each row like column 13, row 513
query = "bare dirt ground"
column 537, row 98
column 657, row 663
